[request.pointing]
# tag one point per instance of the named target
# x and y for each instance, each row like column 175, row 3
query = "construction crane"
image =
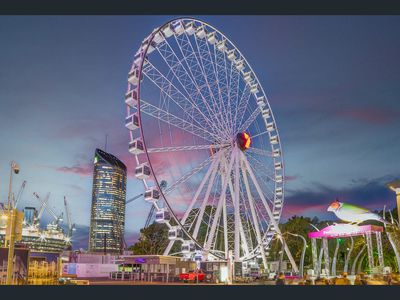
column 16, row 200
column 71, row 226
column 58, row 219
column 42, row 206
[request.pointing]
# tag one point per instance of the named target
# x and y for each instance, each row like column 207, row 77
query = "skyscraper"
column 107, row 219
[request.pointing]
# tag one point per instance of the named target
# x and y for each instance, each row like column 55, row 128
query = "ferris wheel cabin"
column 175, row 233
column 221, row 46
column 211, row 38
column 131, row 98
column 142, row 171
column 190, row 28
column 133, row 76
column 187, row 247
column 163, row 216
column 278, row 165
column 178, row 27
column 278, row 178
column 136, row 146
column 231, row 54
column 201, row 32
column 152, row 195
column 274, row 140
column 261, row 101
column 239, row 64
column 132, row 122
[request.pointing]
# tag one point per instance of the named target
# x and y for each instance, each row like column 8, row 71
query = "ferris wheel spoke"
column 250, row 120
column 172, row 92
column 259, row 134
column 234, row 92
column 187, row 176
column 210, row 74
column 254, row 217
column 242, row 107
column 183, row 148
column 175, row 121
column 197, row 70
column 222, row 75
column 186, row 81
column 238, row 220
column 259, row 151
column 261, row 167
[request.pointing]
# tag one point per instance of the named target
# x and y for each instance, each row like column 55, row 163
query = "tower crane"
column 58, row 219
column 71, row 226
column 16, row 200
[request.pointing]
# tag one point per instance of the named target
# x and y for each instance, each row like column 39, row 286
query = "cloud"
column 372, row 194
column 82, row 170
column 370, row 115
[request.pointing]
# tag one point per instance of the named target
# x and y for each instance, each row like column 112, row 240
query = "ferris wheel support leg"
column 219, row 207
column 205, row 200
column 259, row 190
column 255, row 221
column 241, row 230
column 171, row 243
column 236, row 206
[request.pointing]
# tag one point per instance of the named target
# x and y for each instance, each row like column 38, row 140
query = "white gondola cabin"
column 266, row 113
column 136, row 146
column 278, row 178
column 137, row 58
column 158, row 37
column 174, row 233
column 132, row 122
column 133, row 76
column 278, row 165
column 231, row 54
column 279, row 191
column 142, row 171
column 239, row 64
column 163, row 216
column 187, row 247
column 151, row 195
column 247, row 76
column 131, row 98
column 276, row 153
column 270, row 127
column 261, row 101
column 221, row 45
column 201, row 32
column 211, row 38
column 254, row 88
column 178, row 27
column 278, row 204
column 274, row 140
column 167, row 31
column 190, row 28
column 198, row 256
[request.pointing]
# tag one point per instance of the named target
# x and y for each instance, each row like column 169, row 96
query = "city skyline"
column 331, row 82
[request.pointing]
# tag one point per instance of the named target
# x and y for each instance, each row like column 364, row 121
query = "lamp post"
column 395, row 187
column 11, row 225
column 303, row 252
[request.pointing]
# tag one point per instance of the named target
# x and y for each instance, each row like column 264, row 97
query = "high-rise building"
column 107, row 219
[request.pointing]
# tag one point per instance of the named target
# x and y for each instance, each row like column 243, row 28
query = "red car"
column 192, row 276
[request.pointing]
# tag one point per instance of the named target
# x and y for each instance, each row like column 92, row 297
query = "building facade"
column 107, row 221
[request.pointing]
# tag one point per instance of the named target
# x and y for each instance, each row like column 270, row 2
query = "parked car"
column 192, row 276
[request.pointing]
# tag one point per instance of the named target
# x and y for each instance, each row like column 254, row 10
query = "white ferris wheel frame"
column 238, row 161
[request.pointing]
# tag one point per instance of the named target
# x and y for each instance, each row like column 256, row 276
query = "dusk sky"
column 332, row 83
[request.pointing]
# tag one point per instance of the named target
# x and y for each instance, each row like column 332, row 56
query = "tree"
column 152, row 240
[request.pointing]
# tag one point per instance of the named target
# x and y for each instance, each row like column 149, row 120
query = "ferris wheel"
column 199, row 119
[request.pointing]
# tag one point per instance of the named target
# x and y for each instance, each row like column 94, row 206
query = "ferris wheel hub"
column 243, row 140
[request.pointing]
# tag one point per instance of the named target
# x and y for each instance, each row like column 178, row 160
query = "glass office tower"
column 107, row 219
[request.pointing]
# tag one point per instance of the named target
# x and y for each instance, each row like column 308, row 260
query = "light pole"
column 395, row 187
column 11, row 224
column 303, row 252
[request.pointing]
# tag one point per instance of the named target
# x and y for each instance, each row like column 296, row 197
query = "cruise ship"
column 51, row 239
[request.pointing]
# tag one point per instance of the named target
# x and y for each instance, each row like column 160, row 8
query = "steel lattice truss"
column 191, row 98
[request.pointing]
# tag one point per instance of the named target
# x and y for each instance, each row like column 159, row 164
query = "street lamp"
column 11, row 230
column 303, row 252
column 395, row 187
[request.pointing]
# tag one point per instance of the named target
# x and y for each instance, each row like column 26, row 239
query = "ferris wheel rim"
column 149, row 161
